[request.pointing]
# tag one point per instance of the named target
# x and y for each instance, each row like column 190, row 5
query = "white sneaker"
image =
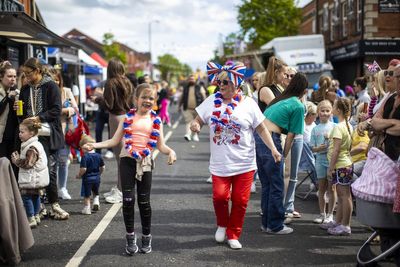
column 284, row 231
column 108, row 155
column 96, row 203
column 209, row 180
column 234, row 244
column 328, row 219
column 253, row 188
column 63, row 194
column 86, row 210
column 220, row 234
column 196, row 138
column 114, row 199
column 188, row 137
column 320, row 219
column 114, row 191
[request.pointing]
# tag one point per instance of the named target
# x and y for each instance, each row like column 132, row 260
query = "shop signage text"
column 11, row 6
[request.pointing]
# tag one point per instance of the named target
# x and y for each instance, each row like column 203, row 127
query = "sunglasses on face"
column 388, row 73
column 223, row 82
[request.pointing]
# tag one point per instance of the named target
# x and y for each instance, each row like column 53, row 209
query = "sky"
column 187, row 29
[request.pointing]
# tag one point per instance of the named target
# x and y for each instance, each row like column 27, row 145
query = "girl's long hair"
column 274, row 65
column 344, row 105
column 295, row 88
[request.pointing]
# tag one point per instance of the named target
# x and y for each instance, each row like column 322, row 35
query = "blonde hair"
column 85, row 139
column 274, row 65
column 32, row 124
column 380, row 82
column 344, row 105
column 311, row 108
column 324, row 104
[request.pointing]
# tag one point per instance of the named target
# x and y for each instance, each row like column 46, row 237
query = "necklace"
column 223, row 118
column 128, row 134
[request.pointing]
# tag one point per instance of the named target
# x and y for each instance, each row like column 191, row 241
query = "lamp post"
column 151, row 61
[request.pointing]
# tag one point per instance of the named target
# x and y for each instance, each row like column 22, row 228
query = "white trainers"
column 328, row 219
column 220, row 234
column 209, row 180
column 284, row 231
column 86, row 210
column 108, row 155
column 253, row 188
column 320, row 219
column 196, row 138
column 114, row 196
column 32, row 222
column 188, row 137
column 63, row 194
column 234, row 244
column 96, row 203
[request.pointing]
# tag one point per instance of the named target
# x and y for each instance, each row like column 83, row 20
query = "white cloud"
column 187, row 29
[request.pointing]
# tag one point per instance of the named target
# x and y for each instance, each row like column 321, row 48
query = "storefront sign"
column 380, row 47
column 40, row 52
column 11, row 6
column 389, row 6
column 345, row 52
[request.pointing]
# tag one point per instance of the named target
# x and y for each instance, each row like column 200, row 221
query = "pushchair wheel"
column 365, row 256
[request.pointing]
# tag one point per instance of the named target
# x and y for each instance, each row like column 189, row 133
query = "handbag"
column 73, row 136
column 378, row 180
column 45, row 129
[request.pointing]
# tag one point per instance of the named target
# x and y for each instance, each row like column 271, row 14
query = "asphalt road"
column 183, row 225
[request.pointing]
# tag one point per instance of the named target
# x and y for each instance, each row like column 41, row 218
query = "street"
column 183, row 224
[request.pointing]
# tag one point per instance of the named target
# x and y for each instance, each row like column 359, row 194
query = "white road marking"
column 76, row 260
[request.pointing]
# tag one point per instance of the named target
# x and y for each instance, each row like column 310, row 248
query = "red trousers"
column 239, row 195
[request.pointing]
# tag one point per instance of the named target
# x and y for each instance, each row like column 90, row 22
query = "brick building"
column 356, row 32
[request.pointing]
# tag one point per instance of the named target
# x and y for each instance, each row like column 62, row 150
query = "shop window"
column 344, row 19
column 325, row 18
column 359, row 16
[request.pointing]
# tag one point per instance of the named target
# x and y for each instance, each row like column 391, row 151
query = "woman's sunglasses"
column 388, row 73
column 224, row 82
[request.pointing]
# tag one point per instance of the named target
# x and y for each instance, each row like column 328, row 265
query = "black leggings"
column 128, row 172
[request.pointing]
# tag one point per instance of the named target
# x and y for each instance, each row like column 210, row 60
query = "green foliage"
column 263, row 20
column 169, row 66
column 112, row 49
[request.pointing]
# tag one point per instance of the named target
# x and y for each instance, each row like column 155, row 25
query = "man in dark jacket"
column 193, row 94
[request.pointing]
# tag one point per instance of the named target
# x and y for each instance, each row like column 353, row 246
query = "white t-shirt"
column 307, row 132
column 232, row 145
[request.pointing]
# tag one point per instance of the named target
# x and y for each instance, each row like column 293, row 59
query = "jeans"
column 128, row 173
column 62, row 167
column 272, row 185
column 296, row 150
column 31, row 204
column 101, row 120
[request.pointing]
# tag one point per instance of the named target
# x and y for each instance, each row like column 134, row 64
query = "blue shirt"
column 320, row 135
column 92, row 162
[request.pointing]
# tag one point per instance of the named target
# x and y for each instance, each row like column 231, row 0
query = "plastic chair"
column 307, row 165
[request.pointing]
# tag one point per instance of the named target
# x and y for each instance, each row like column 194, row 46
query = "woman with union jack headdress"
column 232, row 117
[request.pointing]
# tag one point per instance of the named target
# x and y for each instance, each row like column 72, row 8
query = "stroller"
column 386, row 224
column 375, row 192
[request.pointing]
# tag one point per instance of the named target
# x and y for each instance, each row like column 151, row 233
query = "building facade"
column 356, row 33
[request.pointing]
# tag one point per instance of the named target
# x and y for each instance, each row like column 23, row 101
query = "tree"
column 112, row 49
column 262, row 20
column 169, row 65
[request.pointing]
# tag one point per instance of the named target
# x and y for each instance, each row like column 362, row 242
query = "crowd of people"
column 264, row 127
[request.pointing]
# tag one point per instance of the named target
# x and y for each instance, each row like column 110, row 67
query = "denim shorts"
column 343, row 176
column 88, row 188
column 321, row 166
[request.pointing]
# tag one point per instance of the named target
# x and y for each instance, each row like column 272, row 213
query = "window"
column 359, row 16
column 332, row 30
column 325, row 18
column 344, row 19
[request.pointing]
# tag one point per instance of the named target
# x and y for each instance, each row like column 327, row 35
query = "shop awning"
column 20, row 27
column 99, row 59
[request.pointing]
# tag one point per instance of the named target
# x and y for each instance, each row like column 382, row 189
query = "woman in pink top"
column 140, row 132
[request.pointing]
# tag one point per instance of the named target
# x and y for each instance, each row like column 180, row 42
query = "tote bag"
column 378, row 180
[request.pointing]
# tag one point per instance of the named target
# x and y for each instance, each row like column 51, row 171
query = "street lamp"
column 151, row 62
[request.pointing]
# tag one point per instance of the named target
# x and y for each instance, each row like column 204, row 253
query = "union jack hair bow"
column 374, row 67
column 235, row 72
